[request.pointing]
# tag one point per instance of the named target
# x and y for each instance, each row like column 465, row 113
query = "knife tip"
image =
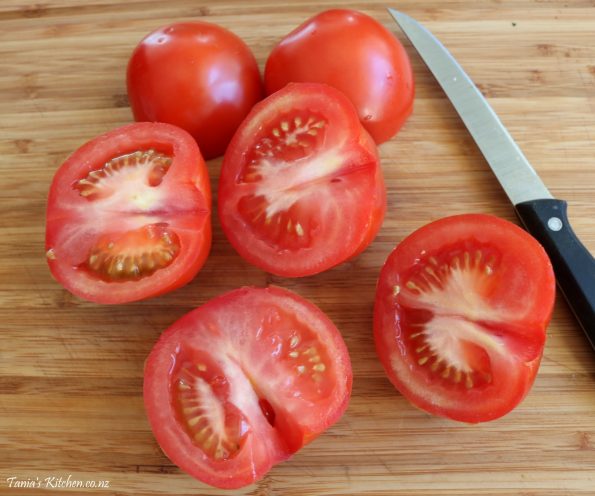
column 398, row 16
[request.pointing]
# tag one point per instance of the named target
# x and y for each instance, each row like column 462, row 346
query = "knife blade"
column 543, row 216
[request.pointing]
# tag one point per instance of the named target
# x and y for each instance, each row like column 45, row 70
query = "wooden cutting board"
column 71, row 371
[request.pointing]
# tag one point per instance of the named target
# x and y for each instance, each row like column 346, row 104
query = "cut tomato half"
column 461, row 310
column 244, row 381
column 301, row 188
column 128, row 214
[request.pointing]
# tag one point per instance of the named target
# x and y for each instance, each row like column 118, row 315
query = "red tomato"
column 356, row 54
column 128, row 214
column 461, row 310
column 243, row 382
column 301, row 189
column 198, row 76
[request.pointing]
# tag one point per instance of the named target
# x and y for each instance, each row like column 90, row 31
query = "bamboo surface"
column 71, row 371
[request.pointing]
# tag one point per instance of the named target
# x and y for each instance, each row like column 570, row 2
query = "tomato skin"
column 354, row 53
column 358, row 204
column 522, row 293
column 67, row 209
column 195, row 75
column 297, row 422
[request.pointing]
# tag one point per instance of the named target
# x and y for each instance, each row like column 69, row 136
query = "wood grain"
column 71, row 371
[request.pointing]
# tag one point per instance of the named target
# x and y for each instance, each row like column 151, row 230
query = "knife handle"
column 573, row 265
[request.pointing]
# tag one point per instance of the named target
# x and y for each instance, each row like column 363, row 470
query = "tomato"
column 462, row 305
column 243, row 382
column 301, row 189
column 357, row 55
column 198, row 76
column 128, row 214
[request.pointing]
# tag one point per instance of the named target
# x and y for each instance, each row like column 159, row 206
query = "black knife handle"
column 573, row 265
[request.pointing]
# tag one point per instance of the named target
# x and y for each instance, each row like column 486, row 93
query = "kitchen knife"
column 542, row 215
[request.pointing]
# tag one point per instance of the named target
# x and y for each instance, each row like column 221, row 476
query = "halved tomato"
column 461, row 310
column 243, row 382
column 128, row 214
column 301, row 188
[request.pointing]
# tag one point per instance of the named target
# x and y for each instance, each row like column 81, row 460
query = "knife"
column 543, row 216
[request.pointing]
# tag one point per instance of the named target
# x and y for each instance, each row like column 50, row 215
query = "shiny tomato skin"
column 195, row 75
column 356, row 54
column 462, row 306
column 267, row 370
column 298, row 203
column 131, row 212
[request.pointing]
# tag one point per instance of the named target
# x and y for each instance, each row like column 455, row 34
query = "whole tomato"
column 355, row 54
column 195, row 75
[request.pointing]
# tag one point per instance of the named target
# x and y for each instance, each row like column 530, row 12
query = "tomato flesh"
column 461, row 310
column 129, row 214
column 301, row 189
column 243, row 382
column 355, row 54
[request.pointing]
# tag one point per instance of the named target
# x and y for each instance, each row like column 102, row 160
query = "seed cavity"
column 133, row 255
column 149, row 165
column 200, row 400
column 447, row 319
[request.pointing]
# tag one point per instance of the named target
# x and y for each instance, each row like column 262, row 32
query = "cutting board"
column 71, row 371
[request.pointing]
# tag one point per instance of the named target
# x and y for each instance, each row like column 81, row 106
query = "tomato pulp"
column 462, row 305
column 356, row 54
column 198, row 76
column 128, row 214
column 243, row 382
column 301, row 189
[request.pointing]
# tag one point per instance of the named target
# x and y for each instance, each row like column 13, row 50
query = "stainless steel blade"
column 513, row 170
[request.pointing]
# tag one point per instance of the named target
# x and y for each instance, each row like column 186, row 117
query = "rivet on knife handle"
column 574, row 266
